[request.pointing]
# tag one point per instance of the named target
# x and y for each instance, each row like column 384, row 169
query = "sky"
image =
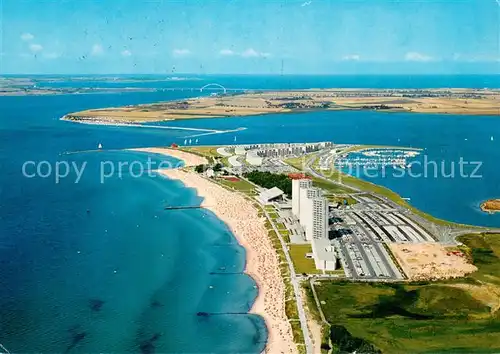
column 250, row 36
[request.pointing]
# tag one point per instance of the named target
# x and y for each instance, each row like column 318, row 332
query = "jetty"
column 183, row 207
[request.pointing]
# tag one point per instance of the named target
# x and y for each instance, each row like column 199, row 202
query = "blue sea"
column 103, row 267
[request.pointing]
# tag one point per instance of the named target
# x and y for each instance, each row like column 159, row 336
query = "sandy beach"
column 262, row 262
column 188, row 159
column 431, row 261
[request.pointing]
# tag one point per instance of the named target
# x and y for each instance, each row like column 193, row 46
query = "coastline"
column 188, row 159
column 261, row 260
column 262, row 263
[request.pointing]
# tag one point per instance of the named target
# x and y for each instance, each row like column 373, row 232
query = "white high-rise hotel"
column 297, row 185
column 309, row 205
column 306, row 217
column 319, row 218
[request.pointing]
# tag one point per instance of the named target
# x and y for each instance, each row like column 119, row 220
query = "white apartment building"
column 307, row 197
column 297, row 185
column 320, row 218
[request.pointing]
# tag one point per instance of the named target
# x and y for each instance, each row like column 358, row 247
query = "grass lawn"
column 240, row 185
column 286, row 235
column 203, row 150
column 340, row 199
column 300, row 262
column 281, row 226
column 330, row 187
column 273, row 215
column 484, row 250
column 450, row 316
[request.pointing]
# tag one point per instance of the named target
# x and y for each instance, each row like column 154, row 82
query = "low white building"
column 210, row 173
column 269, row 195
column 325, row 257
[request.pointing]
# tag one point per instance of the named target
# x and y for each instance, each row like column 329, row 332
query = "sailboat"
column 491, row 138
column 99, row 146
column 196, row 141
column 185, row 141
column 189, row 141
column 235, row 138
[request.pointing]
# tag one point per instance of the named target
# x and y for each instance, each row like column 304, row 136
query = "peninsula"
column 445, row 101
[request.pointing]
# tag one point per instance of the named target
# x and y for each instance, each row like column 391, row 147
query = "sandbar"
column 491, row 206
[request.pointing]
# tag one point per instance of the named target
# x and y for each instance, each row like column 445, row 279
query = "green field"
column 281, row 226
column 484, row 250
column 300, row 262
column 458, row 316
column 340, row 199
column 286, row 235
column 240, row 185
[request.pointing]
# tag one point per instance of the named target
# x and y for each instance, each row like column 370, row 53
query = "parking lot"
column 361, row 232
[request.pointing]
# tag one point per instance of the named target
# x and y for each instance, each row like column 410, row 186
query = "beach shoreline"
column 189, row 160
column 261, row 264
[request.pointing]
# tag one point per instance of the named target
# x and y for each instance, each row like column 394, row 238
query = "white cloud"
column 415, row 56
column 126, row 53
column 181, row 52
column 351, row 57
column 252, row 53
column 35, row 48
column 27, row 37
column 97, row 50
column 51, row 55
column 307, row 3
column 227, row 52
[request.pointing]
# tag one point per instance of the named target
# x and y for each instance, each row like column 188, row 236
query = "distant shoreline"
column 258, row 103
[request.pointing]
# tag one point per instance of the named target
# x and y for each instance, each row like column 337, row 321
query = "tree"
column 200, row 168
column 217, row 167
column 269, row 180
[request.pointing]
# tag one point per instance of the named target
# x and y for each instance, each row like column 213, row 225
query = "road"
column 296, row 289
column 309, row 169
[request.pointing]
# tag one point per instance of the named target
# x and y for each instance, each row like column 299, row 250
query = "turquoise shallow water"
column 129, row 276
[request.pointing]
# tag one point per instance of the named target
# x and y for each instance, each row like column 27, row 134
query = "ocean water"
column 93, row 267
column 102, row 267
